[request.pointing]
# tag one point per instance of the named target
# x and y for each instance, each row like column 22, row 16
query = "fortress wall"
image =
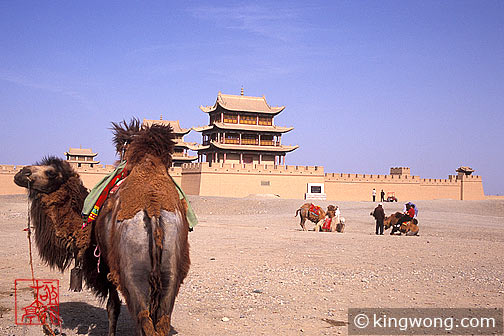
column 362, row 190
column 440, row 188
column 7, row 185
column 472, row 187
column 176, row 174
column 240, row 180
column 358, row 187
column 91, row 176
column 253, row 168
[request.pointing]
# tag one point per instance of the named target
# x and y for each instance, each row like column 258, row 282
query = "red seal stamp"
column 37, row 301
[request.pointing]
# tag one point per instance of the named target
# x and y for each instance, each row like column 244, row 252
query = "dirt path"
column 255, row 273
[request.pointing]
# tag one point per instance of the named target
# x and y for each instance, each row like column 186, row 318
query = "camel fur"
column 140, row 233
column 409, row 228
column 305, row 214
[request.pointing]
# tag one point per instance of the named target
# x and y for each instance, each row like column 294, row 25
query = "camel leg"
column 320, row 223
column 113, row 310
column 302, row 223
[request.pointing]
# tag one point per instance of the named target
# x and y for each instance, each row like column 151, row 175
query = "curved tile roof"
column 282, row 148
column 242, row 103
column 80, row 151
column 175, row 125
column 244, row 127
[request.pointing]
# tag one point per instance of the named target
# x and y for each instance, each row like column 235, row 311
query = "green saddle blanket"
column 91, row 208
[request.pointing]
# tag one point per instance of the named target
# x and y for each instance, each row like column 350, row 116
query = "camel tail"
column 297, row 211
column 170, row 265
column 155, row 234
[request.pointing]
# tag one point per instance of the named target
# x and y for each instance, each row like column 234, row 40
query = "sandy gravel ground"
column 255, row 273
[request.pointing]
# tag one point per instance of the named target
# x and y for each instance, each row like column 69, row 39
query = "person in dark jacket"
column 382, row 194
column 379, row 215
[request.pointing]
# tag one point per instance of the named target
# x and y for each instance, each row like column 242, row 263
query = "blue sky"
column 368, row 85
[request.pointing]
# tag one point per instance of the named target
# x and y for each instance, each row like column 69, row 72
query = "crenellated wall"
column 240, row 180
column 358, row 187
column 471, row 187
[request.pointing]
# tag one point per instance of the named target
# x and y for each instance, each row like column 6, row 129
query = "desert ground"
column 254, row 272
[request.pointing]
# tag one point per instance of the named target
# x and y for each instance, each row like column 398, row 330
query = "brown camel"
column 409, row 228
column 311, row 212
column 140, row 233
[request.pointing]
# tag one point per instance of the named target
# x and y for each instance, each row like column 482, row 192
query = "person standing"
column 382, row 194
column 379, row 215
column 374, row 195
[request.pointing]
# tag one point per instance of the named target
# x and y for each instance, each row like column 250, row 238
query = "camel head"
column 44, row 177
column 331, row 211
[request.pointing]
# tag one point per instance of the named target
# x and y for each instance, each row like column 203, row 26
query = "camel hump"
column 152, row 191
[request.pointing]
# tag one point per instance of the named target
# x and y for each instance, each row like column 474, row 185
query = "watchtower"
column 241, row 130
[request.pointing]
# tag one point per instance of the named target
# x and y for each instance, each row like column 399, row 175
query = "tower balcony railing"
column 232, row 141
column 178, row 155
column 254, row 142
column 250, row 142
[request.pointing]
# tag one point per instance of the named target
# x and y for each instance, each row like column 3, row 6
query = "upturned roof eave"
column 273, row 110
column 243, row 127
column 175, row 125
column 80, row 154
column 184, row 158
column 202, row 128
column 188, row 145
column 79, row 161
column 284, row 149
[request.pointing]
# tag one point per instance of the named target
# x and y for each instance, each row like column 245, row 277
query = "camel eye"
column 51, row 173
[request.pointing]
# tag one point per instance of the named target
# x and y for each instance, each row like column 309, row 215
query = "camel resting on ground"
column 409, row 228
column 337, row 223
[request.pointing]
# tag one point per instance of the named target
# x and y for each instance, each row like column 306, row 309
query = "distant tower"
column 400, row 171
column 180, row 155
column 81, row 157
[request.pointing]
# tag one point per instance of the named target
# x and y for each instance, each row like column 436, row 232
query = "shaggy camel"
column 140, row 233
column 409, row 228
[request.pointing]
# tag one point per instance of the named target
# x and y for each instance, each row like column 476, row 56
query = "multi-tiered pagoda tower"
column 81, row 157
column 180, row 155
column 242, row 130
